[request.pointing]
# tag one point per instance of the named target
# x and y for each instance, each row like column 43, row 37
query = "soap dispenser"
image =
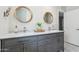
column 24, row 29
column 16, row 29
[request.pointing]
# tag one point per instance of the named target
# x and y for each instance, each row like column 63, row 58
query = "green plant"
column 39, row 24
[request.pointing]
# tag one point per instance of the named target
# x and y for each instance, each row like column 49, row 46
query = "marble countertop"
column 23, row 34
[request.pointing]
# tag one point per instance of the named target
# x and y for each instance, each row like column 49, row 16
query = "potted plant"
column 39, row 27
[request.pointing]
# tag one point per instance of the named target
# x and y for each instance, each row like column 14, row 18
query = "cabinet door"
column 60, row 42
column 49, row 47
column 30, row 47
column 12, row 45
column 14, row 48
column 48, row 44
column 30, row 44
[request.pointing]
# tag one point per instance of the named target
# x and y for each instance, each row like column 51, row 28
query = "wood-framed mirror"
column 23, row 14
column 48, row 17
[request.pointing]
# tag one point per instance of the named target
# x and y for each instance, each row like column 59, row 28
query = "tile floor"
column 70, row 48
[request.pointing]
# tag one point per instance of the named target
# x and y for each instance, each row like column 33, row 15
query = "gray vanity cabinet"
column 12, row 45
column 48, row 47
column 47, row 43
column 30, row 44
column 14, row 48
column 23, row 44
column 60, row 41
column 30, row 48
column 53, row 42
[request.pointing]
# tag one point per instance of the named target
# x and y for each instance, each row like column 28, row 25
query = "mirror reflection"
column 23, row 14
column 48, row 18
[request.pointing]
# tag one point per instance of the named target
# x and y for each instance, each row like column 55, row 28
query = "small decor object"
column 39, row 27
column 6, row 13
column 39, row 24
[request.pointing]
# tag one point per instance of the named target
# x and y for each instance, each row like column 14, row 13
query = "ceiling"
column 69, row 8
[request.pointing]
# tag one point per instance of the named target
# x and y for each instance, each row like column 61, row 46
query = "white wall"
column 71, row 24
column 3, row 21
column 9, row 23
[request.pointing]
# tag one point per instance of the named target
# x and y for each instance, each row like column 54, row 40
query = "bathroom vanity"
column 51, row 41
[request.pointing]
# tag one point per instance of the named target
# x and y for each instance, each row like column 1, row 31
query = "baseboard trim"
column 71, row 44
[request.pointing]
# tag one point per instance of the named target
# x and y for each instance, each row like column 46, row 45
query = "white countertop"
column 23, row 34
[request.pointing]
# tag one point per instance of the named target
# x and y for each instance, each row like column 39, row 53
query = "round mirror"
column 23, row 14
column 48, row 18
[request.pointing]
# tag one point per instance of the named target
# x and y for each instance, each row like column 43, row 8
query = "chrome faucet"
column 24, row 29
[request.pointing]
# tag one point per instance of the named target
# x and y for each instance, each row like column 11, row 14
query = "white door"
column 71, row 26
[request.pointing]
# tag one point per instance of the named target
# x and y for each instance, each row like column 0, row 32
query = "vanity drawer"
column 43, row 42
column 22, row 40
column 10, row 42
column 60, row 34
column 47, row 41
column 47, row 36
column 30, row 47
column 14, row 48
column 47, row 46
column 28, row 39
